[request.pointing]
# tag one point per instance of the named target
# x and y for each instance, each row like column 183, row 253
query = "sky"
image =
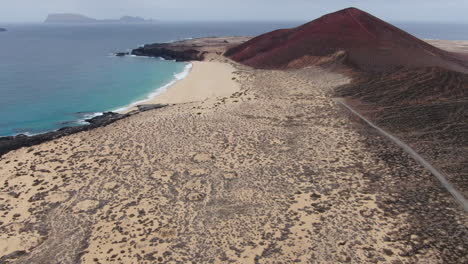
column 233, row 10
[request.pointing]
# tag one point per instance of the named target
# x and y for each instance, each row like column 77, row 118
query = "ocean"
column 53, row 76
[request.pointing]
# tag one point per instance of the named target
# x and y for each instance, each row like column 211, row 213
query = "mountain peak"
column 354, row 10
column 369, row 43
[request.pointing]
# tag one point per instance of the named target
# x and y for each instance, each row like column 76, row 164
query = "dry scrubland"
column 276, row 172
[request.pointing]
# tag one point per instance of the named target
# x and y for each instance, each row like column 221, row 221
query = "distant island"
column 2, row 30
column 78, row 18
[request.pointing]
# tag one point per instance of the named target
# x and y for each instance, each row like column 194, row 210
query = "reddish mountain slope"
column 425, row 107
column 351, row 36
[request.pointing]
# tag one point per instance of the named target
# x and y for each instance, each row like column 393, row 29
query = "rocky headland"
column 186, row 50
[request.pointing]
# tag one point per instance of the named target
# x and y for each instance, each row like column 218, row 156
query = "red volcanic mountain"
column 351, row 36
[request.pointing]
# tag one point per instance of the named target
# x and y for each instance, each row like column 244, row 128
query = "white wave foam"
column 177, row 77
column 26, row 133
column 145, row 57
column 182, row 75
column 82, row 121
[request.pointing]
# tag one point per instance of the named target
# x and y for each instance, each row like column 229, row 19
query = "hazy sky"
column 299, row 10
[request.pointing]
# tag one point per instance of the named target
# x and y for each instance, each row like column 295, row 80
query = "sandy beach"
column 207, row 80
column 243, row 166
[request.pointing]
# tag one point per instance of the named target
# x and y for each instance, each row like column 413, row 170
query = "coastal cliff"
column 169, row 51
column 189, row 49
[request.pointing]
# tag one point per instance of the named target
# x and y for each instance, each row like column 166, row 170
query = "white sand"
column 205, row 80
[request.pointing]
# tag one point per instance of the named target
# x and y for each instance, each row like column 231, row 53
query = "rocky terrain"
column 187, row 50
column 427, row 108
column 15, row 142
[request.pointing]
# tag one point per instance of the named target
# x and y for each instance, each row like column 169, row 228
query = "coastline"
column 204, row 80
column 177, row 77
column 210, row 79
column 84, row 121
column 274, row 171
column 198, row 82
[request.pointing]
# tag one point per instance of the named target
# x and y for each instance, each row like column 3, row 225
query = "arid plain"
column 275, row 172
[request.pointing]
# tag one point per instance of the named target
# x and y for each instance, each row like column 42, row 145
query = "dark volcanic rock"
column 15, row 142
column 105, row 119
column 121, row 54
column 8, row 144
column 147, row 107
column 14, row 255
column 170, row 51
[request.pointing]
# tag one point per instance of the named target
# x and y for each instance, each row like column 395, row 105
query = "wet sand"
column 268, row 169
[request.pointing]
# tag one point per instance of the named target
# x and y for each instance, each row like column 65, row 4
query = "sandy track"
column 443, row 180
column 274, row 173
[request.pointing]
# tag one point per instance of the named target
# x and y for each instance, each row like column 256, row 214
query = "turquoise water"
column 53, row 76
column 100, row 89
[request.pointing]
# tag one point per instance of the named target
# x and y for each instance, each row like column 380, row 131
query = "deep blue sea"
column 53, row 76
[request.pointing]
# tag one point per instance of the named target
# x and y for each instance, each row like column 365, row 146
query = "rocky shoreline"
column 10, row 143
column 185, row 50
column 169, row 51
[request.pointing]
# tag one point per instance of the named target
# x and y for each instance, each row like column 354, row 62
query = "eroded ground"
column 276, row 173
